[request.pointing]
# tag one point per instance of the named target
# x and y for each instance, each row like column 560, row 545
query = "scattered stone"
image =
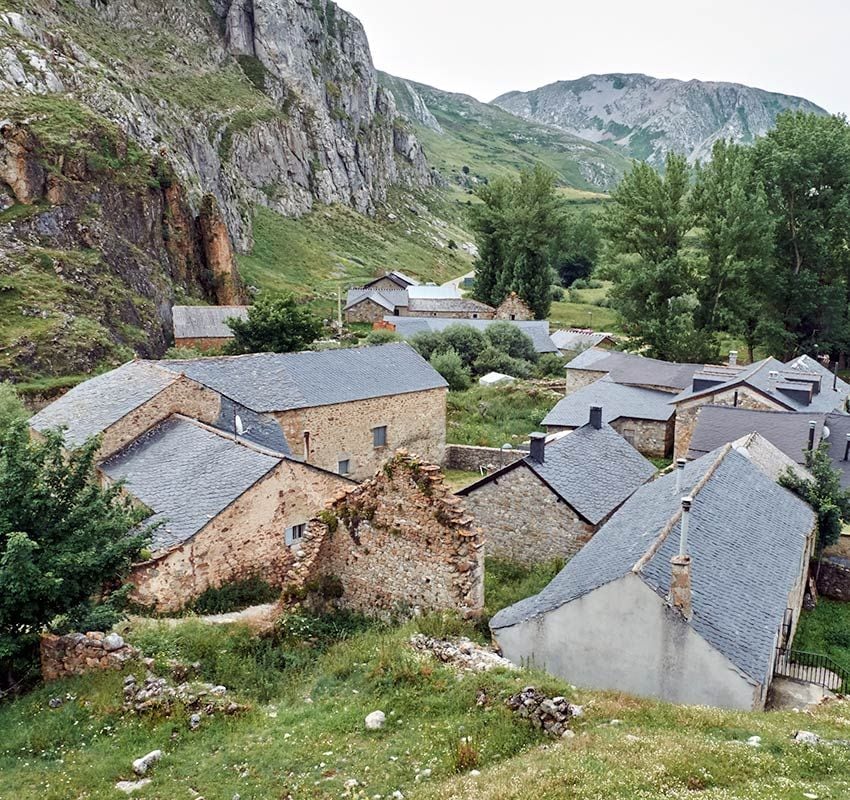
column 375, row 721
column 141, row 765
column 810, row 796
column 551, row 715
column 576, row 711
column 461, row 653
column 128, row 787
column 474, row 773
column 754, row 741
column 55, row 702
column 422, row 774
column 78, row 653
column 397, row 795
column 194, row 722
column 112, row 642
column 568, row 734
column 806, row 737
column 615, row 722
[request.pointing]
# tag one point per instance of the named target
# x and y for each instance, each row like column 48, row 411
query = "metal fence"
column 815, row 668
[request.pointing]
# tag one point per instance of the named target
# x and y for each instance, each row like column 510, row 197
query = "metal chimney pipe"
column 680, row 468
column 686, row 514
column 812, row 426
column 847, row 448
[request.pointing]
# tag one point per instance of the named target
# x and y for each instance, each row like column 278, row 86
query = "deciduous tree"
column 274, row 325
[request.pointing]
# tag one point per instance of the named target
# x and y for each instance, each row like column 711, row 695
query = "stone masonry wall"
column 687, row 411
column 472, row 459
column 652, row 439
column 525, row 520
column 402, row 542
column 76, row 653
column 203, row 343
column 834, row 579
column 366, row 311
column 512, row 307
column 415, row 421
column 248, row 538
column 579, row 378
column 406, row 312
column 184, row 396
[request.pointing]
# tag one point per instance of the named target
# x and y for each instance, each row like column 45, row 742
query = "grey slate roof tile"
column 388, row 299
column 747, row 538
column 446, row 305
column 575, row 339
column 197, row 322
column 266, row 382
column 634, row 370
column 538, row 330
column 186, row 475
column 93, row 406
column 617, row 401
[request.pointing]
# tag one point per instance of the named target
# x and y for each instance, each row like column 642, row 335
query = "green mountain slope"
column 458, row 131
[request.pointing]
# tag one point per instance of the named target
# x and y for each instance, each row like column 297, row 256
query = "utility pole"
column 339, row 308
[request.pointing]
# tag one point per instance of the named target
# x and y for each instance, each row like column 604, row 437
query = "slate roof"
column 388, row 299
column 617, row 401
column 747, row 537
column 538, row 330
column 447, row 305
column 839, row 428
column 205, row 322
column 186, row 474
column 579, row 339
column 93, row 406
column 431, row 291
column 397, row 277
column 592, row 470
column 267, row 382
column 636, row 370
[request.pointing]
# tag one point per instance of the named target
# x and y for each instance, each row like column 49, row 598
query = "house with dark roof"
column 204, row 327
column 550, row 503
column 684, row 594
column 536, row 330
column 802, row 385
column 370, row 305
column 643, row 417
column 222, row 508
column 629, row 369
column 447, row 308
column 391, row 280
column 577, row 340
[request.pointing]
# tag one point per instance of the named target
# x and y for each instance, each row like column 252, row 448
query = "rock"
column 422, row 774
column 474, row 773
column 462, row 653
column 397, row 795
column 128, row 787
column 194, row 722
column 568, row 734
column 806, row 737
column 112, row 642
column 754, row 741
column 55, row 702
column 141, row 765
column 375, row 721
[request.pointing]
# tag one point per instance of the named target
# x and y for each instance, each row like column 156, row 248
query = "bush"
column 279, row 325
column 382, row 336
column 235, row 596
column 450, row 366
column 580, row 283
column 511, row 340
column 492, row 360
column 11, row 408
column 594, row 283
column 427, row 343
column 557, row 294
column 550, row 365
column 467, row 342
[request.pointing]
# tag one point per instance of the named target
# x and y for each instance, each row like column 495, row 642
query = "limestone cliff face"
column 273, row 102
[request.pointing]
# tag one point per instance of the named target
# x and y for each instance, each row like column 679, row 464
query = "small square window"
column 344, row 467
column 379, row 436
column 296, row 533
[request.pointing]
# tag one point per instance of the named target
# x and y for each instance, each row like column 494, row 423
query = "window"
column 379, row 436
column 475, row 316
column 629, row 435
column 295, row 534
column 513, row 316
column 343, row 467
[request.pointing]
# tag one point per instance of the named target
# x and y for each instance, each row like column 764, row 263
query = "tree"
column 65, row 544
column 279, row 325
column 575, row 248
column 465, row 340
column 11, row 408
column 450, row 365
column 511, row 340
column 823, row 493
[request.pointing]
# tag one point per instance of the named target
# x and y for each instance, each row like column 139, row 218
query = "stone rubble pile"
column 77, row 653
column 460, row 653
column 162, row 696
column 550, row 714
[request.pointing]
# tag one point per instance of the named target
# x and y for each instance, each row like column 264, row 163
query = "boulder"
column 375, row 721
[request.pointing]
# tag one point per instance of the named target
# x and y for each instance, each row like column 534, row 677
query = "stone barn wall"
column 512, row 307
column 472, row 459
column 366, row 311
column 401, row 543
column 579, row 378
column 77, row 653
column 650, row 438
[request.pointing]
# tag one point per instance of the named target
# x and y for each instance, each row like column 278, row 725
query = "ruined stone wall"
column 472, row 459
column 366, row 311
column 415, row 421
column 402, row 543
column 579, row 378
column 650, row 438
column 687, row 411
column 184, row 396
column 203, row 343
column 834, row 578
column 248, row 538
column 76, row 653
column 525, row 520
column 512, row 307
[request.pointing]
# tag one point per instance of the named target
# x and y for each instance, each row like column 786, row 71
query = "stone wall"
column 366, row 311
column 525, row 520
column 473, row 459
column 248, row 538
column 415, row 421
column 183, row 396
column 76, row 653
column 834, row 578
column 579, row 378
column 512, row 307
column 687, row 411
column 203, row 343
column 406, row 312
column 650, row 438
column 401, row 543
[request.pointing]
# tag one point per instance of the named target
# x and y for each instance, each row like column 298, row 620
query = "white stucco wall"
column 623, row 636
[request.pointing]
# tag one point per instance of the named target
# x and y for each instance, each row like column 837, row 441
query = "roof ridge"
column 671, row 523
column 235, row 438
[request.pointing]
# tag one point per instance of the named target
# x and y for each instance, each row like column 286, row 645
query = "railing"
column 815, row 668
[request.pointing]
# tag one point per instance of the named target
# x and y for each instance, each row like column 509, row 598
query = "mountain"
column 645, row 117
column 145, row 132
column 458, row 131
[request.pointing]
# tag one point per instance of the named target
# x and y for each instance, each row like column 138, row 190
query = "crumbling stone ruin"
column 550, row 714
column 462, row 653
column 76, row 653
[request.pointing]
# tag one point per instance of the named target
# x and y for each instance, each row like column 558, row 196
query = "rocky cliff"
column 645, row 117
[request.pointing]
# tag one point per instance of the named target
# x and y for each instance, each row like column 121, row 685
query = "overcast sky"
column 487, row 47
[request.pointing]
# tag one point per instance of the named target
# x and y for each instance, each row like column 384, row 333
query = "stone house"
column 550, row 503
column 577, row 340
column 407, row 327
column 370, row 305
column 204, row 327
column 447, row 308
column 643, row 417
column 224, row 508
column 399, row 543
column 684, row 594
column 391, row 280
column 513, row 307
column 802, row 384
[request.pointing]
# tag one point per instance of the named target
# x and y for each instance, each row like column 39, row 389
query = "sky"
column 488, row 47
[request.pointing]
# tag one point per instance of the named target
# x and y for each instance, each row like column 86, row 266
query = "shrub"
column 550, row 365
column 11, row 408
column 492, row 360
column 511, row 340
column 450, row 366
column 382, row 336
column 279, row 325
column 467, row 342
column 427, row 343
column 594, row 283
column 557, row 294
column 235, row 596
column 580, row 283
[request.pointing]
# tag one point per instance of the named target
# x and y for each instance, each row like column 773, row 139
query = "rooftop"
column 388, row 299
column 205, row 322
column 617, row 401
column 397, row 277
column 538, row 330
column 634, row 370
column 747, row 537
column 579, row 338
column 447, row 305
column 432, row 292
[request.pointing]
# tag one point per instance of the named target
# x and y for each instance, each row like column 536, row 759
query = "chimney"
column 812, row 426
column 538, row 447
column 733, row 358
column 773, row 379
column 680, row 568
column 596, row 416
column 680, row 470
column 847, row 447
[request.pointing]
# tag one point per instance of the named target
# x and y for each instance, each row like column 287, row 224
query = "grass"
column 506, row 582
column 459, row 478
column 493, row 416
column 826, row 629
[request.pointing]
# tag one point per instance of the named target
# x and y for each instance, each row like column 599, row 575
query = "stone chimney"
column 733, row 358
column 680, row 568
column 538, row 447
column 596, row 416
column 772, row 380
